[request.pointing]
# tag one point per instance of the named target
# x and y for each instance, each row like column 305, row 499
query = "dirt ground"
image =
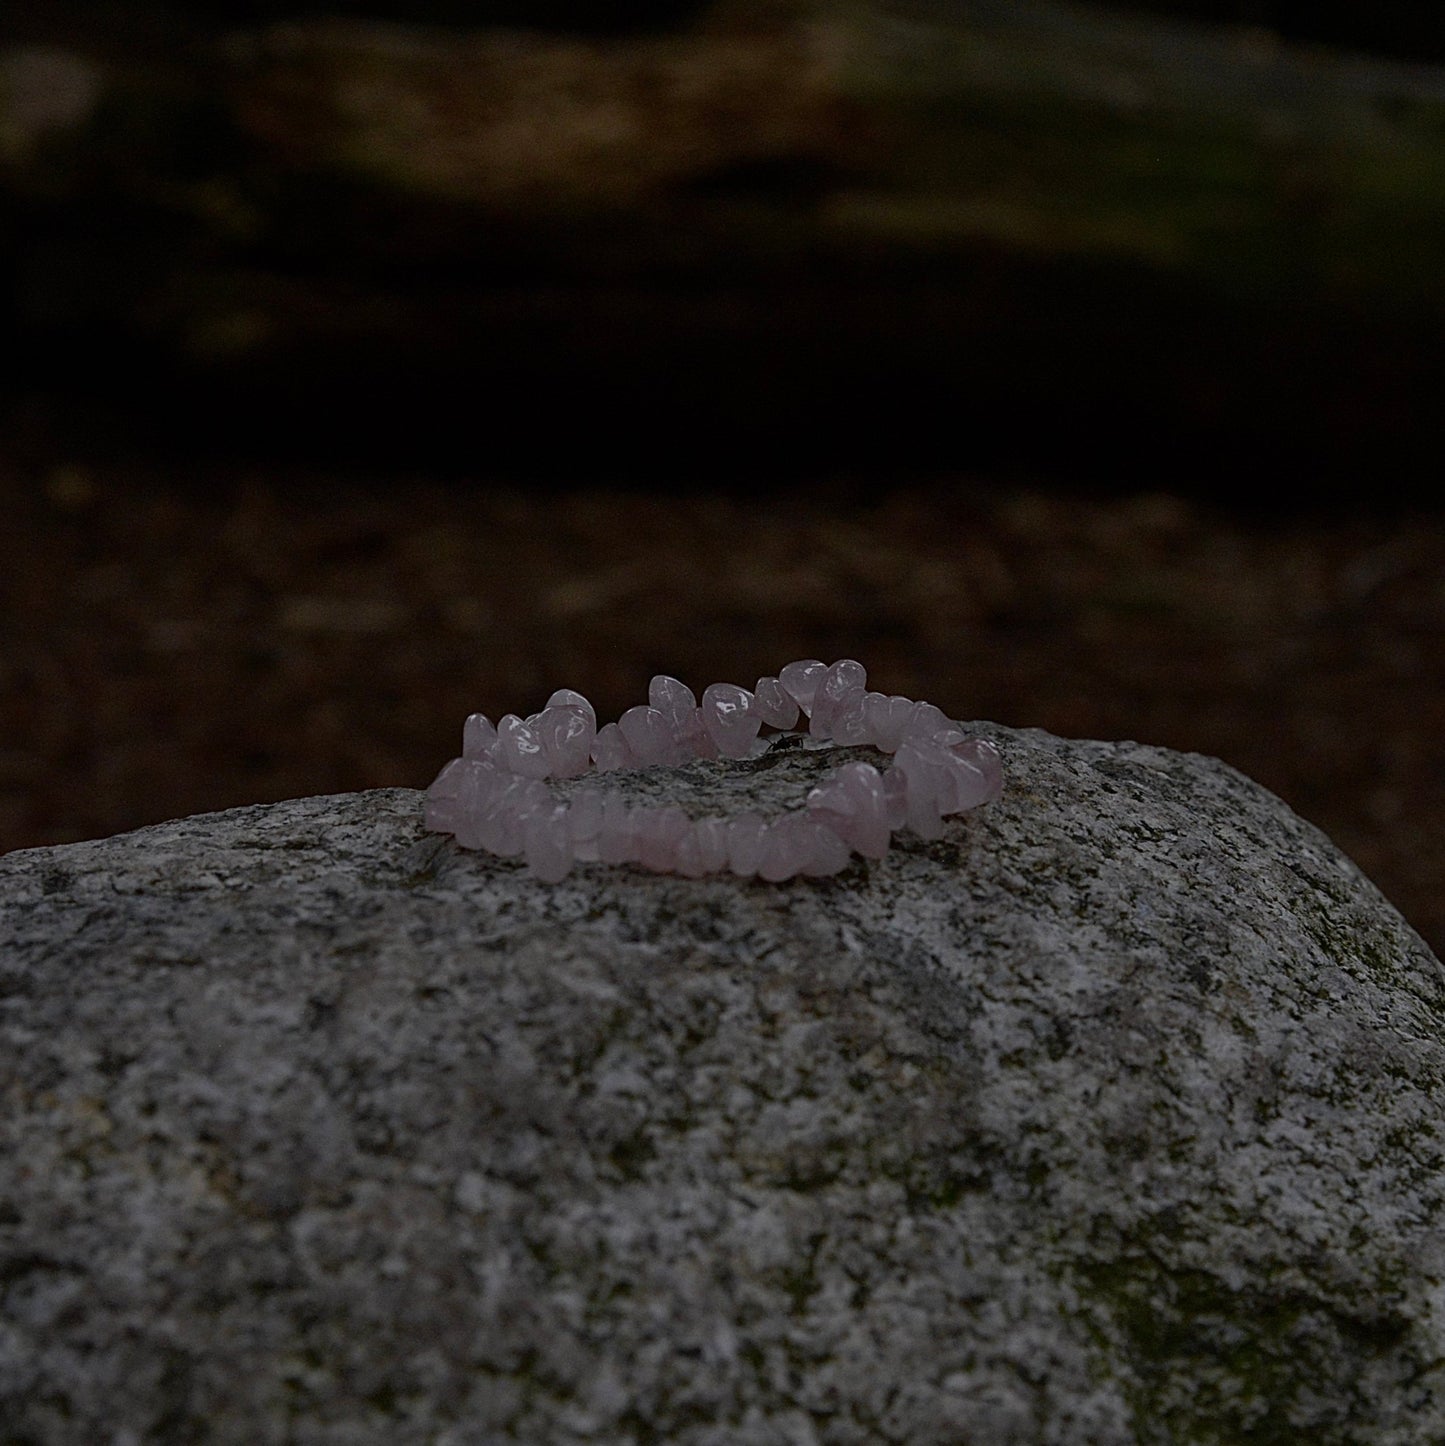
column 182, row 636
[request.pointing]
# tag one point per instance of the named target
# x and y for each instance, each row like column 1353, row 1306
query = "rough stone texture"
column 1115, row 1115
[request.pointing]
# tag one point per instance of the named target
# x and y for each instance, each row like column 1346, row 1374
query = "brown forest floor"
column 175, row 640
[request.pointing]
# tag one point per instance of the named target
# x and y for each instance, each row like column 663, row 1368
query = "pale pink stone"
column 650, row 736
column 730, row 719
column 688, row 862
column 609, row 749
column 479, row 734
column 797, row 844
column 781, row 855
column 984, row 756
column 519, row 750
column 463, row 789
column 971, row 768
column 570, row 698
column 448, row 783
column 827, row 853
column 887, row 718
column 545, row 844
column 835, row 688
column 671, row 697
column 692, row 734
column 617, row 834
column 712, row 844
column 439, row 810
column 895, row 799
column 800, row 681
column 678, row 704
column 499, row 825
column 584, row 823
column 852, row 804
column 828, row 711
column 850, row 720
column 775, row 705
column 925, row 720
column 925, row 785
column 659, row 833
column 566, row 733
column 747, row 834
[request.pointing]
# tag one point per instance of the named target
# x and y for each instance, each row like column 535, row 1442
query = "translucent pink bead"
column 499, row 824
column 584, row 823
column 617, row 833
column 478, row 735
column 984, row 756
column 568, row 697
column 850, row 719
column 973, row 770
column 659, row 833
column 887, row 718
column 800, row 681
column 519, row 750
column 546, row 845
column 827, row 853
column 440, row 809
column 693, row 735
column 895, row 798
column 671, row 697
column 730, row 719
column 780, row 854
column 566, row 734
column 747, row 834
column 610, row 750
column 835, row 687
column 797, row 844
column 689, row 856
column 650, row 736
column 775, row 705
column 852, row 803
column 925, row 787
column 924, row 720
column 712, row 844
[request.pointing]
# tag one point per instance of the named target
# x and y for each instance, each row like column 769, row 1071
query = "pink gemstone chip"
column 850, row 720
column 650, row 736
column 776, row 706
column 660, row 832
column 479, row 733
column 800, row 681
column 671, row 697
column 566, row 733
column 617, row 833
column 853, row 804
column 747, row 836
column 519, row 750
column 712, row 844
column 610, row 749
column 924, row 720
column 569, row 697
column 546, row 844
column 689, row 856
column 693, row 735
column 887, row 718
column 835, row 689
column 730, row 718
column 584, row 823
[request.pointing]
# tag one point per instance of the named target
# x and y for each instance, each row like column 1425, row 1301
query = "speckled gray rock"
column 1116, row 1115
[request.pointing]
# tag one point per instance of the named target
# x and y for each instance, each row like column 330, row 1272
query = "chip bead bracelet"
column 495, row 796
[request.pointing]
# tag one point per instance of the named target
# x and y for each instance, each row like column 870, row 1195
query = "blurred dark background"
column 371, row 363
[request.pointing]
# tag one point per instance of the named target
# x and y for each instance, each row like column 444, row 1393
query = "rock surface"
column 1115, row 1115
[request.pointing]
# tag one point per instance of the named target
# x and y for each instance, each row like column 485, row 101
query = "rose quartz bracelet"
column 495, row 797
